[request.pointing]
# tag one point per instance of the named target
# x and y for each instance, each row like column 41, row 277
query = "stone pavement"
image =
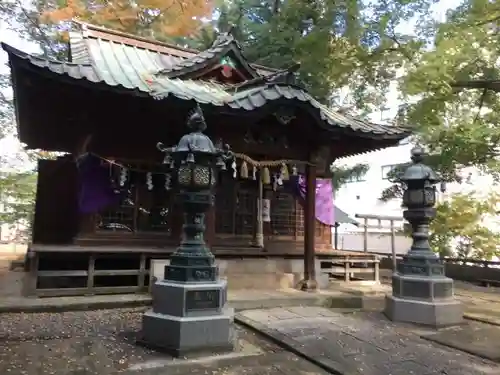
column 478, row 339
column 103, row 343
column 361, row 343
column 481, row 304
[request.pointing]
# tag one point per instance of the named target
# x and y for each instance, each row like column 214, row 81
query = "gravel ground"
column 77, row 343
column 103, row 343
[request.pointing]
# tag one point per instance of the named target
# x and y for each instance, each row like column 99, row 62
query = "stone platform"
column 185, row 336
column 188, row 318
column 423, row 299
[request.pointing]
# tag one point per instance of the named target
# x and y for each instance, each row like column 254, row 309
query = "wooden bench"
column 348, row 265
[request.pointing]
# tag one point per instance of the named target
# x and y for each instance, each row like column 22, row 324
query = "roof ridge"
column 223, row 44
column 88, row 28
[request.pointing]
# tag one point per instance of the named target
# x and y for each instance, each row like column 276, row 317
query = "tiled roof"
column 256, row 97
column 132, row 68
column 109, row 49
column 77, row 71
column 120, row 63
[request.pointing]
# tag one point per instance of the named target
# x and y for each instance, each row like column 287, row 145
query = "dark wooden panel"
column 56, row 217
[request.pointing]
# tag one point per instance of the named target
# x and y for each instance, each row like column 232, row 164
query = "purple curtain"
column 96, row 190
column 325, row 209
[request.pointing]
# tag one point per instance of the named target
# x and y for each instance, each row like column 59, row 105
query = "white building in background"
column 362, row 197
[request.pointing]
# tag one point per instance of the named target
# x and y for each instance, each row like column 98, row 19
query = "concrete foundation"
column 189, row 318
column 261, row 274
column 423, row 300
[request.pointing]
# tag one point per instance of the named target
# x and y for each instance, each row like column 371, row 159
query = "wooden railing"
column 86, row 273
column 392, row 228
column 471, row 270
column 483, row 272
column 472, row 262
column 352, row 267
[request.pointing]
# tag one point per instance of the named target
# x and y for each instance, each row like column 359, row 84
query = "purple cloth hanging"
column 325, row 208
column 96, row 190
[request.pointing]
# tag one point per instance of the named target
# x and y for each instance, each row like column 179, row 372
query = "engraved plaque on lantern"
column 197, row 300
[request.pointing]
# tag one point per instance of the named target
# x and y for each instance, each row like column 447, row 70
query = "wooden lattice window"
column 140, row 208
column 246, row 210
column 283, row 215
column 236, row 207
column 224, row 207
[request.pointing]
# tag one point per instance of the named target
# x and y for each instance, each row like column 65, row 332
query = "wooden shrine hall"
column 105, row 208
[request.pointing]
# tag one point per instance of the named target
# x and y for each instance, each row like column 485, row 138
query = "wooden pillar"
column 393, row 246
column 365, row 235
column 336, row 236
column 309, row 283
column 259, row 230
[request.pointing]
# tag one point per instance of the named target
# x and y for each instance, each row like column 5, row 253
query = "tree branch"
column 481, row 103
column 37, row 26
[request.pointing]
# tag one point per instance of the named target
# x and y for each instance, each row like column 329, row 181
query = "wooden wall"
column 56, row 211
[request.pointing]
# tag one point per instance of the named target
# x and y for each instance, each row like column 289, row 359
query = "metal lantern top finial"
column 196, row 141
column 418, row 171
column 417, row 154
column 196, row 147
column 196, row 121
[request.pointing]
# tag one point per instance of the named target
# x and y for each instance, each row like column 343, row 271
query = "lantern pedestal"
column 189, row 319
column 421, row 294
column 423, row 300
column 189, row 314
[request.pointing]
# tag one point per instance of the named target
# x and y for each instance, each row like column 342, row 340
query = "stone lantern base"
column 422, row 299
column 189, row 318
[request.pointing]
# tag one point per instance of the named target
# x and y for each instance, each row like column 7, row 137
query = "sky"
column 10, row 145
